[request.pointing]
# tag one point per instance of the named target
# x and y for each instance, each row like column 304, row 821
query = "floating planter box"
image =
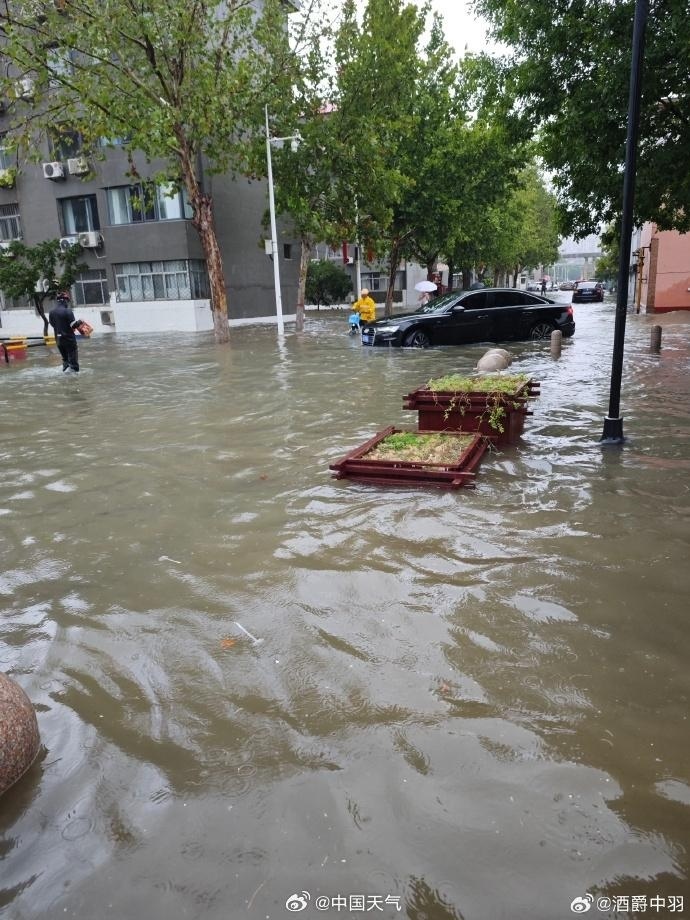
column 494, row 406
column 13, row 350
column 395, row 457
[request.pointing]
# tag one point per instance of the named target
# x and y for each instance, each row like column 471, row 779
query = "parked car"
column 462, row 317
column 566, row 286
column 533, row 286
column 588, row 291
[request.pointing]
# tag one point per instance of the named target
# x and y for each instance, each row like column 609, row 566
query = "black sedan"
column 588, row 291
column 462, row 317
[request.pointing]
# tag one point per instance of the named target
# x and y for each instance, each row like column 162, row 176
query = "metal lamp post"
column 294, row 143
column 613, row 423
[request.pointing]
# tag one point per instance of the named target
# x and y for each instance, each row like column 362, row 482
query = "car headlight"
column 388, row 328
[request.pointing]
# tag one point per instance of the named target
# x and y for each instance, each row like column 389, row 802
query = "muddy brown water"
column 461, row 705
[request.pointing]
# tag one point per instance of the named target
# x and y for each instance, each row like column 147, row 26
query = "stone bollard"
column 656, row 338
column 19, row 738
column 496, row 359
column 556, row 343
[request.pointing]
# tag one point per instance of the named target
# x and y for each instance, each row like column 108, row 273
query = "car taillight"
column 569, row 310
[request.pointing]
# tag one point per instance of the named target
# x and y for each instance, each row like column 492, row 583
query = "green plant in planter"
column 417, row 447
column 491, row 383
column 496, row 386
column 8, row 177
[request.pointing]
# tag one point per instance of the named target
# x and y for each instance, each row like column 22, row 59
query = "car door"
column 470, row 319
column 518, row 314
column 507, row 314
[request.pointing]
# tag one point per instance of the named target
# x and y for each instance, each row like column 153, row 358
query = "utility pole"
column 613, row 423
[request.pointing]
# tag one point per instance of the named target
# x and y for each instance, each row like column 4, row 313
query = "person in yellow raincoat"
column 365, row 306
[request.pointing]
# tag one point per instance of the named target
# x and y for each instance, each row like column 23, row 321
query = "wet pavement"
column 258, row 687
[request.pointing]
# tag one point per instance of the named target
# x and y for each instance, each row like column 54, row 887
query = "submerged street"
column 253, row 681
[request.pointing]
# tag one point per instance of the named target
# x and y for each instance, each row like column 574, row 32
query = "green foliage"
column 608, row 263
column 8, row 178
column 571, row 69
column 327, row 283
column 22, row 267
column 416, row 447
column 456, row 383
column 520, row 231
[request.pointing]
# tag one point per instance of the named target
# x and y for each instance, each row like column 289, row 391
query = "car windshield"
column 586, row 285
column 438, row 304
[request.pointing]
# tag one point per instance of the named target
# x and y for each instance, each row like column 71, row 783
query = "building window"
column 287, row 250
column 65, row 143
column 10, row 228
column 59, row 64
column 377, row 281
column 79, row 214
column 91, row 287
column 181, row 279
column 112, row 141
column 8, row 157
column 131, row 204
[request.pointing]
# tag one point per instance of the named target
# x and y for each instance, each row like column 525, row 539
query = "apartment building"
column 146, row 270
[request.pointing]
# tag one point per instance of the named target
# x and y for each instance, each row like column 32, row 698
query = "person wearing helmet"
column 62, row 320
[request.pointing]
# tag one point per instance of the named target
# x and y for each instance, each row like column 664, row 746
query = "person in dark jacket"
column 62, row 320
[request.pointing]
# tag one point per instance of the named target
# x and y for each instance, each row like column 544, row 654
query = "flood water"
column 465, row 705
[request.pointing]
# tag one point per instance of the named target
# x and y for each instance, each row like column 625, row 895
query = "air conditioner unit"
column 53, row 170
column 68, row 242
column 78, row 166
column 90, row 239
column 108, row 317
column 5, row 248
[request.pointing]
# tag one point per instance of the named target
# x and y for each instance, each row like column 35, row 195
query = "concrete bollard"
column 19, row 738
column 556, row 343
column 656, row 338
column 501, row 351
column 492, row 361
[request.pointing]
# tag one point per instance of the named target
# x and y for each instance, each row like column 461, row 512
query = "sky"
column 463, row 28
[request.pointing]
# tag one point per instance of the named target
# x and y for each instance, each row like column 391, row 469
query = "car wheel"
column 541, row 330
column 417, row 339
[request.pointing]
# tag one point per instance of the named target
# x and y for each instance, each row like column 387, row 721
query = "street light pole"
column 613, row 423
column 274, row 233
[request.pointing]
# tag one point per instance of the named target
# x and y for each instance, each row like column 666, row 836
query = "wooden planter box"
column 12, row 351
column 440, row 410
column 357, row 466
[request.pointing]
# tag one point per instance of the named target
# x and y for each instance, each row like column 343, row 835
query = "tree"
column 608, row 264
column 39, row 272
column 571, row 67
column 520, row 231
column 182, row 84
column 327, row 283
column 375, row 108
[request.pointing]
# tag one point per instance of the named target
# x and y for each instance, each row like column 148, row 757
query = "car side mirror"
column 458, row 309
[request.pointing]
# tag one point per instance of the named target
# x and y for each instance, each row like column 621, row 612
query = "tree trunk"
column 515, row 276
column 38, row 301
column 466, row 279
column 202, row 221
column 451, row 273
column 392, row 272
column 305, row 256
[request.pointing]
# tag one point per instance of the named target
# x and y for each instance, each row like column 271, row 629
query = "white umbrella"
column 425, row 286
